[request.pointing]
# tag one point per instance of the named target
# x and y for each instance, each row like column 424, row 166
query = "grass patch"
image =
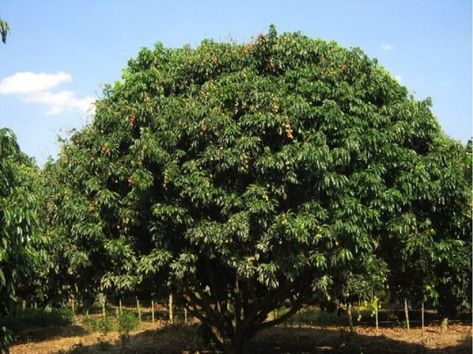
column 33, row 318
column 313, row 316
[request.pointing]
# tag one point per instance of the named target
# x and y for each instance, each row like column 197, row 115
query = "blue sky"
column 59, row 53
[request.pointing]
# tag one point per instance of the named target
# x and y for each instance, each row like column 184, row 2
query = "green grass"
column 126, row 322
column 313, row 316
column 31, row 318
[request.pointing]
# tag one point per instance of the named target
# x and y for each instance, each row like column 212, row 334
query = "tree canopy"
column 18, row 224
column 249, row 176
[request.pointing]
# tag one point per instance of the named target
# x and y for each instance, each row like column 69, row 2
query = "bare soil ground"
column 160, row 338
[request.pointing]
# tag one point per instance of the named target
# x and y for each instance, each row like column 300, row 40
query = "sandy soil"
column 159, row 338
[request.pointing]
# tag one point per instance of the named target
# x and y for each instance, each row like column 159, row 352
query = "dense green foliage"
column 31, row 318
column 429, row 243
column 18, row 220
column 63, row 269
column 248, row 176
column 126, row 322
column 243, row 178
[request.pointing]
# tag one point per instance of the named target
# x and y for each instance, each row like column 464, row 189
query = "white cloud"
column 36, row 88
column 386, row 46
column 27, row 82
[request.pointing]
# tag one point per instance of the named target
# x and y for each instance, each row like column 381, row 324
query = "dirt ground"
column 159, row 338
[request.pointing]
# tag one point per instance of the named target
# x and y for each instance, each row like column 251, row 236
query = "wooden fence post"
column 350, row 318
column 422, row 316
column 138, row 308
column 152, row 311
column 376, row 313
column 120, row 306
column 171, row 314
column 104, row 311
column 406, row 313
column 444, row 325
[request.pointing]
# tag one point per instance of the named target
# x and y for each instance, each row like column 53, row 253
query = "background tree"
column 18, row 223
column 426, row 246
column 77, row 247
column 57, row 259
column 452, row 218
column 4, row 30
column 248, row 176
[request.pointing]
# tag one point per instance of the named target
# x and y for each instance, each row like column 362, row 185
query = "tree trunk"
column 406, row 313
column 240, row 344
column 350, row 318
column 376, row 315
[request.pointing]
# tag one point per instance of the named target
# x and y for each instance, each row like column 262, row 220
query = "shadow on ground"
column 44, row 333
column 308, row 340
column 185, row 339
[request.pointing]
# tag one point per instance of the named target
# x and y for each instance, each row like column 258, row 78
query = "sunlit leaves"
column 272, row 166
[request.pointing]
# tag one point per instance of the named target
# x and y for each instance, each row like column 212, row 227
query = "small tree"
column 127, row 321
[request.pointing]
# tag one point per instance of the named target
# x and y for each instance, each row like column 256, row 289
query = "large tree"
column 245, row 176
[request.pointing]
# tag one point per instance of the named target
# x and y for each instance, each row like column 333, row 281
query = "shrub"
column 30, row 318
column 127, row 321
column 98, row 324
